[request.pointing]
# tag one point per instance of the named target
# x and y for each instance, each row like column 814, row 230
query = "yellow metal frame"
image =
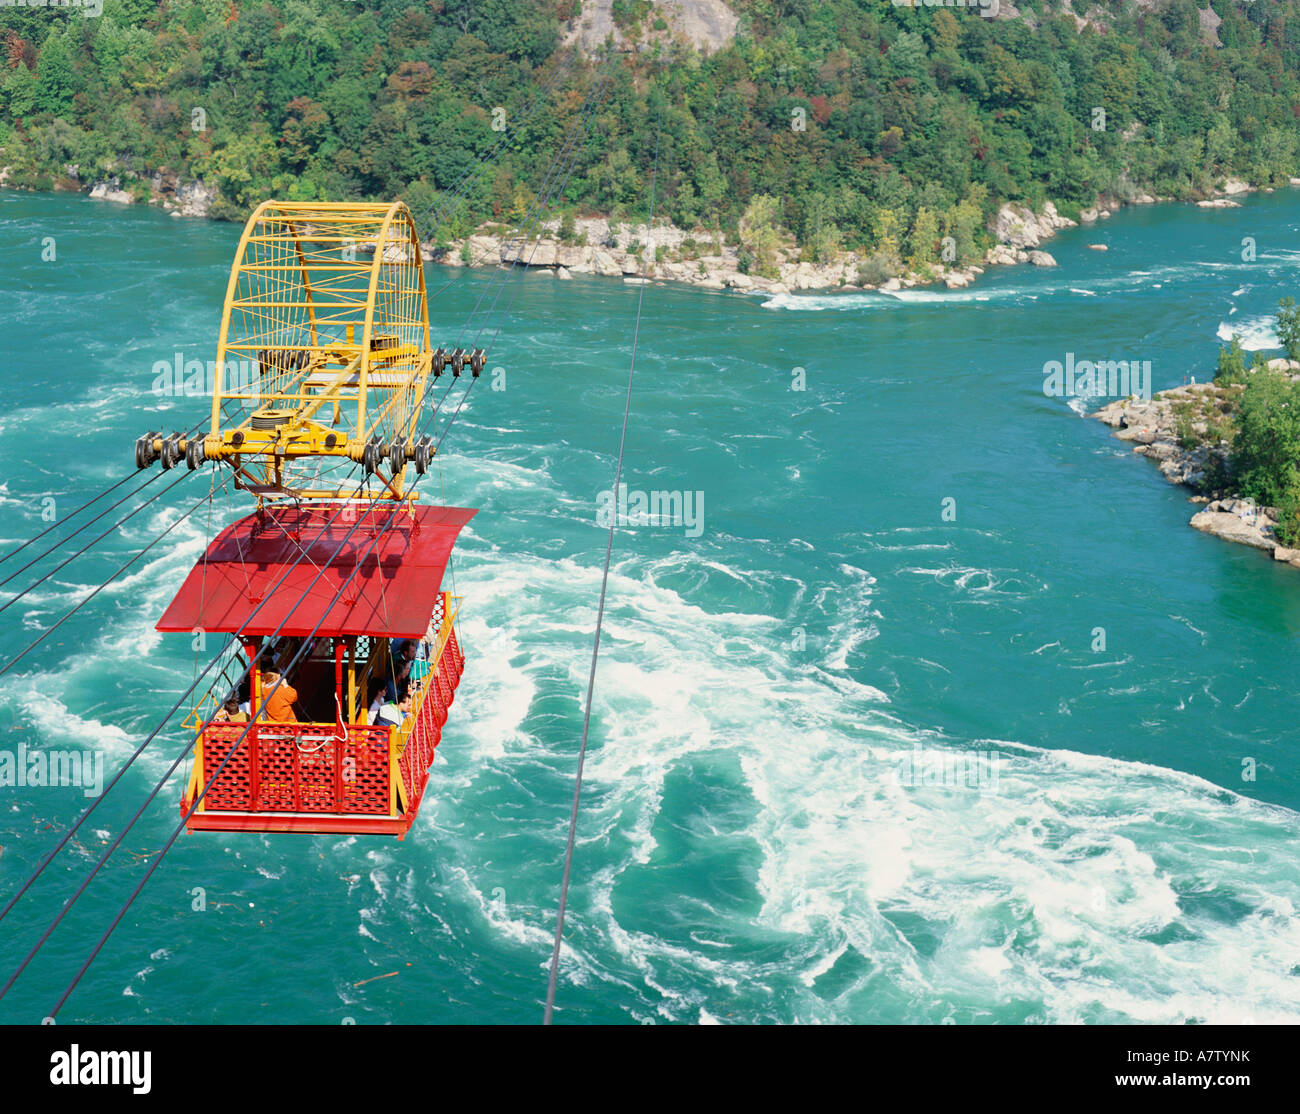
column 329, row 301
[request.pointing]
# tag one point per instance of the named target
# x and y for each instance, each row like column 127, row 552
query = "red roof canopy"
column 392, row 594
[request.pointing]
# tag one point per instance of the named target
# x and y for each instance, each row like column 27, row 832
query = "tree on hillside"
column 54, row 76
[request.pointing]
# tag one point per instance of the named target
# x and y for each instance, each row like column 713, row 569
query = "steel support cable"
column 176, row 706
column 68, row 517
column 73, row 514
column 158, row 730
column 179, row 759
column 600, row 617
column 90, row 596
column 207, row 783
column 306, row 643
column 198, row 799
column 162, row 853
column 85, row 526
column 93, row 542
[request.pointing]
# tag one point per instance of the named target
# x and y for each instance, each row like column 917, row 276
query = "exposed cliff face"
column 192, row 199
column 616, row 249
column 706, row 24
column 1019, row 227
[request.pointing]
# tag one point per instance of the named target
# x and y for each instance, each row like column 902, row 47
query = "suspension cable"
column 202, row 674
column 94, row 541
column 86, row 599
column 73, row 514
column 181, row 757
column 600, row 617
column 63, row 541
column 209, row 666
column 174, row 708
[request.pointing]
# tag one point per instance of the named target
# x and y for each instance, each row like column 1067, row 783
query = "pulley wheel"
column 423, row 454
column 171, row 452
column 268, row 418
column 144, row 455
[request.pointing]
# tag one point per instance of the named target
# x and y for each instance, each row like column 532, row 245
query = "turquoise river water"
column 916, row 559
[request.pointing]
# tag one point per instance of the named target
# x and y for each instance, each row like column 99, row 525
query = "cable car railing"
column 323, row 768
column 428, row 682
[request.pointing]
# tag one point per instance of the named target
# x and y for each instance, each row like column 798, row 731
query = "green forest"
column 851, row 124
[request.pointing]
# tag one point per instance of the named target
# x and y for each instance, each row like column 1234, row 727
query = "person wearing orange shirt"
column 279, row 705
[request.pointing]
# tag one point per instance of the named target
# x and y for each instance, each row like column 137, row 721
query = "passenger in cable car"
column 378, row 698
column 231, row 712
column 394, row 715
column 420, row 666
column 403, row 656
column 404, row 707
column 385, row 676
column 279, row 705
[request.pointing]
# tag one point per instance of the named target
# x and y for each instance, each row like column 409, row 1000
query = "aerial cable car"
column 322, row 363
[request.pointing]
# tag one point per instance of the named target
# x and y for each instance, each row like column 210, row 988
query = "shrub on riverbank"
column 1266, row 449
column 1249, row 427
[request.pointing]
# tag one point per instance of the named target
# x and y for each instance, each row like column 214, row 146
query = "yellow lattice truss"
column 324, row 353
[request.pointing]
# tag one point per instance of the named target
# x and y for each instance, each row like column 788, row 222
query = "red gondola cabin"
column 328, row 769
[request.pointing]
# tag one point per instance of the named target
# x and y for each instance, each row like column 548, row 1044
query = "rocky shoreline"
column 614, row 249
column 620, row 249
column 1152, row 425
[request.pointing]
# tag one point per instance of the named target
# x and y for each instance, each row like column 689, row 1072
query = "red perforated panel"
column 297, row 767
column 439, row 693
column 365, row 782
column 233, row 788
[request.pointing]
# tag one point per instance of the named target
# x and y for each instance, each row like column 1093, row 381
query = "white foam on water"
column 883, row 300
column 56, row 724
column 979, row 582
column 1083, row 888
column 1054, row 890
column 856, row 625
column 1255, row 332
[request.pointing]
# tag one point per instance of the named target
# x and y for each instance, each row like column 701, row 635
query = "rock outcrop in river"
column 1179, row 429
